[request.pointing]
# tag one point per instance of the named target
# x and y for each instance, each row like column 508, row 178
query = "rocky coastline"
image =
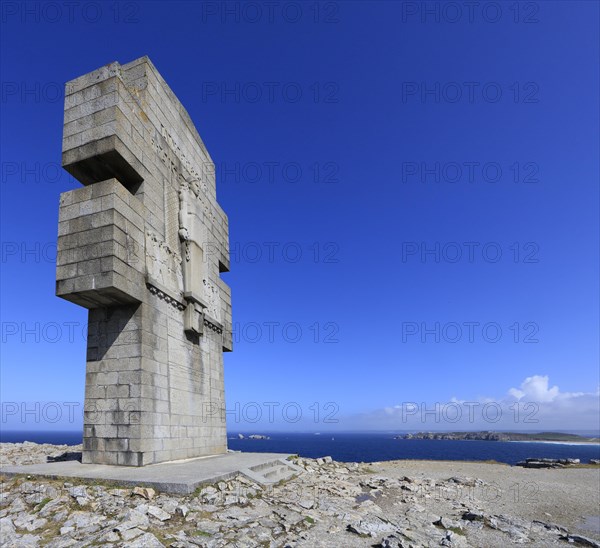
column 330, row 504
column 498, row 436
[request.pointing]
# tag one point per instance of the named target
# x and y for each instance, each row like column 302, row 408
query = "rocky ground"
column 388, row 504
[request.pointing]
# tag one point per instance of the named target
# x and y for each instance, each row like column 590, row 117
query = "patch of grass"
column 368, row 470
column 457, row 531
column 200, row 533
column 42, row 503
column 203, row 514
column 79, row 482
column 50, row 533
column 310, row 520
column 282, row 482
column 106, row 484
column 160, row 535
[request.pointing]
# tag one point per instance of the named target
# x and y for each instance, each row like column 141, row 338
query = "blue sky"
column 412, row 193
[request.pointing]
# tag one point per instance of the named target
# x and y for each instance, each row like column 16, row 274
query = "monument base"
column 178, row 477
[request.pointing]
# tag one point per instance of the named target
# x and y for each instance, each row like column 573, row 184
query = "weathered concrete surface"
column 142, row 245
column 180, row 477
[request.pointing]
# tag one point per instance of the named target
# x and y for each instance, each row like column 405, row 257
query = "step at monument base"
column 177, row 477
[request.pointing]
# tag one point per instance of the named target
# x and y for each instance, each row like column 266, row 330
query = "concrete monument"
column 142, row 245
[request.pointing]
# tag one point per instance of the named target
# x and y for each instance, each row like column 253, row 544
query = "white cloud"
column 536, row 405
column 535, row 389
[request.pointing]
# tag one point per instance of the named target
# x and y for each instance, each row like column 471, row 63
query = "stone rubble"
column 330, row 504
column 550, row 463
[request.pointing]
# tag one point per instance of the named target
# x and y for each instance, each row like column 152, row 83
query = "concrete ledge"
column 178, row 477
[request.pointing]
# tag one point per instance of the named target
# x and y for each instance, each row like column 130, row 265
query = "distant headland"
column 499, row 436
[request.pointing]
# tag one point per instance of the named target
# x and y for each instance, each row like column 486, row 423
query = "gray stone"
column 145, row 492
column 78, row 492
column 182, row 510
column 29, row 522
column 208, row 526
column 110, row 536
column 306, row 503
column 135, row 517
column 61, row 515
column 131, row 533
column 371, row 526
column 232, row 499
column 169, row 505
column 581, row 540
column 27, row 487
column 157, row 513
column 473, row 516
column 81, row 520
column 119, row 492
column 142, row 245
column 147, row 540
column 391, row 541
column 22, row 541
column 6, row 526
column 447, row 523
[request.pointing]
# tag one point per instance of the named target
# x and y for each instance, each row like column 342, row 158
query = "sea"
column 366, row 447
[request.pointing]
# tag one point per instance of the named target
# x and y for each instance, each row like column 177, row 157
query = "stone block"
column 95, row 264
